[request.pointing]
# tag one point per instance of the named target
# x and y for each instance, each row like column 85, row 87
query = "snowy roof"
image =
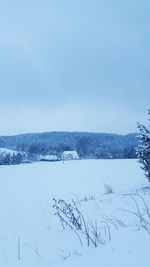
column 48, row 157
column 73, row 153
column 70, row 155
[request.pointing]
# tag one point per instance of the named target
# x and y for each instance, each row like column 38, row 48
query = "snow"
column 11, row 152
column 48, row 157
column 7, row 151
column 26, row 199
column 70, row 155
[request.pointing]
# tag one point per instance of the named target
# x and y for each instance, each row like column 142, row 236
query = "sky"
column 74, row 65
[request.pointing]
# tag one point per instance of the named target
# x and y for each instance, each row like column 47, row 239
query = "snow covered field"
column 29, row 230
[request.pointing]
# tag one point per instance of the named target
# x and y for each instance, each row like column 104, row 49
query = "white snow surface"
column 26, row 199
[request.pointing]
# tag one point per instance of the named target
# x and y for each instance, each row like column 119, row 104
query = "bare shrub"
column 108, row 189
column 142, row 211
column 117, row 223
column 71, row 217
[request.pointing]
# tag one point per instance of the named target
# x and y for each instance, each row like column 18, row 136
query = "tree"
column 129, row 152
column 143, row 151
column 16, row 158
column 5, row 159
column 82, row 145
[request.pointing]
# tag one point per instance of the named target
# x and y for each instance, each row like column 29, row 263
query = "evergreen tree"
column 143, row 151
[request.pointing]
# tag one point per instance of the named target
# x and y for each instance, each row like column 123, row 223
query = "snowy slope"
column 27, row 216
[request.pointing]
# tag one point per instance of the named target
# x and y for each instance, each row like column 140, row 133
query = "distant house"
column 48, row 158
column 69, row 155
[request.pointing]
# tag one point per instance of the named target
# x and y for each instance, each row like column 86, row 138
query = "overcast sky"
column 74, row 65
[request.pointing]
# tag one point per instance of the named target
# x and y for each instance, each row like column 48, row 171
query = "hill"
column 88, row 145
